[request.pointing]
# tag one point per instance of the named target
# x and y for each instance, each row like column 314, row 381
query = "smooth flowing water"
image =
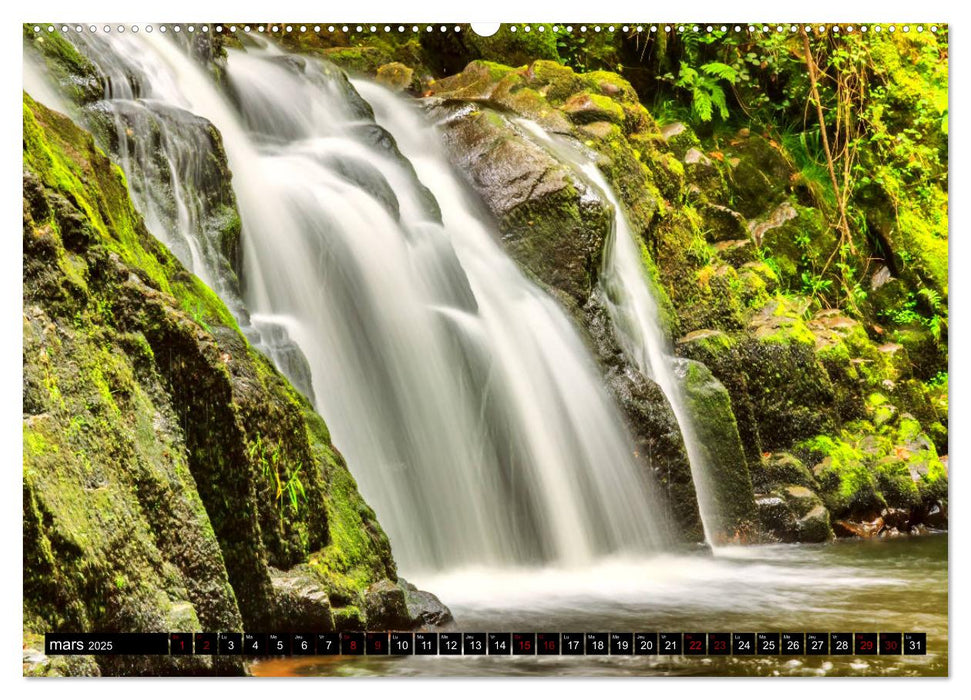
column 168, row 155
column 888, row 585
column 634, row 313
column 465, row 402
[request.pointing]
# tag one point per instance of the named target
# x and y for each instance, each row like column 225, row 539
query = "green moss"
column 870, row 466
column 847, row 485
column 667, row 317
column 709, row 343
column 75, row 74
column 782, row 468
column 349, row 617
column 357, row 553
column 512, row 45
column 895, row 483
column 99, row 188
column 36, row 444
column 728, row 485
column 145, row 510
column 588, row 107
column 782, row 322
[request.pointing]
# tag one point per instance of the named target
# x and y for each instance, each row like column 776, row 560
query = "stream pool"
column 880, row 585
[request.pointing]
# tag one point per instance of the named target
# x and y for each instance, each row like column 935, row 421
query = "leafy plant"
column 294, row 488
column 271, row 462
column 908, row 313
column 704, row 84
column 815, row 287
column 198, row 314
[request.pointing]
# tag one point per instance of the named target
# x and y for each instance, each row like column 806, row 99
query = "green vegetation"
column 170, row 473
column 789, row 198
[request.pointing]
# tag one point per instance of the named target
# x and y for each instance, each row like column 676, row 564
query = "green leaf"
column 720, row 70
column 701, row 103
column 718, row 98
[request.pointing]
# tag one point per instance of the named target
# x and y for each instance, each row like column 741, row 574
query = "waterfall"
column 634, row 313
column 168, row 154
column 465, row 402
column 635, row 316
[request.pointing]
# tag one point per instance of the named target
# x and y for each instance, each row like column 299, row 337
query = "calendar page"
column 520, row 349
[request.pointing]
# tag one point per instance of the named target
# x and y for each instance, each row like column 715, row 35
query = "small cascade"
column 635, row 316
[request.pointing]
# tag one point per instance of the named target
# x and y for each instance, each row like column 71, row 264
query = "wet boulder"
column 549, row 219
column 793, row 513
column 391, row 605
column 385, row 606
column 723, row 469
column 301, row 601
column 719, row 352
column 658, row 441
column 395, row 76
column 782, row 468
column 424, row 608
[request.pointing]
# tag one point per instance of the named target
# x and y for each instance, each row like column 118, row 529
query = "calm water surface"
column 895, row 585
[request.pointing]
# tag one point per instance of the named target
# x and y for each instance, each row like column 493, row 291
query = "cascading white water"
column 462, row 397
column 167, row 155
column 635, row 316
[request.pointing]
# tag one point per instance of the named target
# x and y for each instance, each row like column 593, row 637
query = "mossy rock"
column 720, row 353
column 781, row 468
column 722, row 223
column 512, row 45
column 584, row 108
column 155, row 437
column 395, row 76
column 795, row 239
column 679, row 138
column 847, row 485
column 896, row 485
column 728, row 485
column 550, row 220
column 793, row 514
column 75, row 75
column 926, row 354
column 757, row 171
column 366, row 60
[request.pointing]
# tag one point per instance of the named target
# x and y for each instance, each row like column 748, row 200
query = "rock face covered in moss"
column 173, row 479
column 714, row 428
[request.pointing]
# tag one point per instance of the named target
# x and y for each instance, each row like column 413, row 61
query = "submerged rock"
column 857, row 528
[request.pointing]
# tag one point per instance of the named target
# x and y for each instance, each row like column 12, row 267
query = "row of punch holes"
column 559, row 29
